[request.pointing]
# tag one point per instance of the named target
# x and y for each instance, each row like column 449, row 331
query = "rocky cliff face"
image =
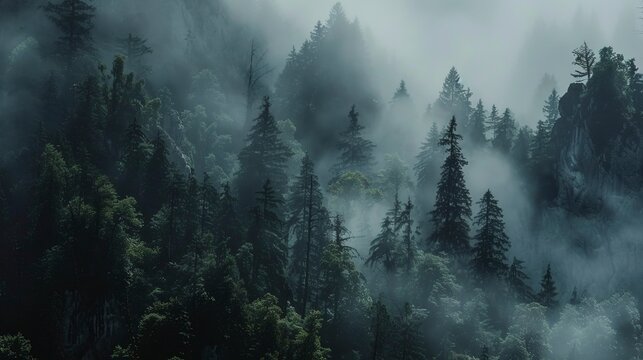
column 597, row 154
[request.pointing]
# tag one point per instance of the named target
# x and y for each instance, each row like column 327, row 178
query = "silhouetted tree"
column 548, row 292
column 584, row 58
column 74, row 19
column 477, row 124
column 452, row 207
column 489, row 259
column 356, row 152
column 517, row 282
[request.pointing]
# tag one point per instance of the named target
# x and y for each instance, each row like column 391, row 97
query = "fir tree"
column 157, row 174
column 264, row 157
column 521, row 147
column 407, row 246
column 426, row 160
column 134, row 161
column 74, row 19
column 227, row 224
column 517, row 282
column 550, row 110
column 504, row 132
column 356, row 153
column 407, row 338
column 548, row 292
column 477, row 125
column 401, row 93
column 380, row 329
column 575, row 298
column 584, row 58
column 454, row 99
column 266, row 235
column 489, row 259
column 307, row 223
column 383, row 247
column 492, row 121
column 134, row 48
column 452, row 207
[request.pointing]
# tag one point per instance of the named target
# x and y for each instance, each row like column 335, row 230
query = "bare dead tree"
column 258, row 68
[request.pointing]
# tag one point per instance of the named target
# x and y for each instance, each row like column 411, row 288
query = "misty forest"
column 287, row 179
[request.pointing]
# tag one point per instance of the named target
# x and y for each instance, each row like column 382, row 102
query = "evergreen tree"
column 135, row 158
column 504, row 132
column 477, row 125
column 264, row 157
column 426, row 160
column 489, row 260
column 74, row 19
column 266, row 235
column 492, row 121
column 575, row 298
column 383, row 247
column 307, row 222
column 485, row 353
column 548, row 292
column 584, row 58
column 356, row 153
column 228, row 229
column 380, row 329
column 452, row 207
column 407, row 246
column 401, row 93
column 157, row 174
column 407, row 339
column 134, row 48
column 550, row 110
column 517, row 282
column 521, row 147
column 454, row 99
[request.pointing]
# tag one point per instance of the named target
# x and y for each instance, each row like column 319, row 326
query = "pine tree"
column 517, row 282
column 134, row 161
column 452, row 207
column 383, row 247
column 407, row 246
column 264, row 157
column 489, row 260
column 401, row 93
column 521, row 147
column 356, row 153
column 134, row 48
column 157, row 174
column 74, row 19
column 584, row 58
column 227, row 224
column 426, row 160
column 550, row 110
column 548, row 292
column 307, row 222
column 380, row 329
column 485, row 353
column 504, row 133
column 454, row 99
column 492, row 121
column 477, row 125
column 267, row 237
column 407, row 339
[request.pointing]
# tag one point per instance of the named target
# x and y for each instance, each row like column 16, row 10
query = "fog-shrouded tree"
column 74, row 19
column 383, row 247
column 427, row 160
column 407, row 248
column 401, row 93
column 265, row 156
column 550, row 109
column 452, row 209
column 308, row 225
column 584, row 59
column 492, row 243
column 477, row 124
column 517, row 282
column 407, row 335
column 134, row 48
column 356, row 152
column 548, row 293
column 492, row 121
column 380, row 330
column 504, row 132
column 520, row 152
column 454, row 99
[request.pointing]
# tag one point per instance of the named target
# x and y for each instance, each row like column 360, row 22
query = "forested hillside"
column 169, row 190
